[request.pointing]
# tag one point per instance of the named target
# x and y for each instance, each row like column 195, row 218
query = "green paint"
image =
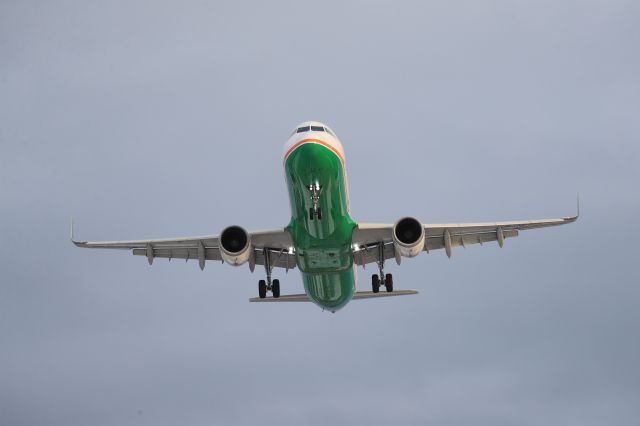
column 323, row 247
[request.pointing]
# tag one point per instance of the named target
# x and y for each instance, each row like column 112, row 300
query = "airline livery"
column 322, row 240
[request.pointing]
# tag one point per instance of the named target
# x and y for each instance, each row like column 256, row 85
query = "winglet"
column 72, row 236
column 568, row 219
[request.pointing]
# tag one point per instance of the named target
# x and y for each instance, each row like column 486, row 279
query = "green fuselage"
column 323, row 246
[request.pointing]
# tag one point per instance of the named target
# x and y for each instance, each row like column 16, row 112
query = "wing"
column 371, row 239
column 274, row 243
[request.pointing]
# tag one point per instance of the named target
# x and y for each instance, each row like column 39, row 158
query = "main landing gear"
column 315, row 211
column 269, row 285
column 263, row 287
column 381, row 279
column 387, row 282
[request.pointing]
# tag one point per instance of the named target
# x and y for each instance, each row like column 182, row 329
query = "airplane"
column 322, row 240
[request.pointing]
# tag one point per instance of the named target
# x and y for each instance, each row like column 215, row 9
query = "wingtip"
column 73, row 238
column 577, row 215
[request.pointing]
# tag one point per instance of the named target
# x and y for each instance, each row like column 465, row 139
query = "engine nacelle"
column 235, row 245
column 408, row 237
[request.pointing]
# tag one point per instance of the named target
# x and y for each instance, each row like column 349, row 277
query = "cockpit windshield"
column 312, row 129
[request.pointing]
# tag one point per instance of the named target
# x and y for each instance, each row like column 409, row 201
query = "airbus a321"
column 322, row 240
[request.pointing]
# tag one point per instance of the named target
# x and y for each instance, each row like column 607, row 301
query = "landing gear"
column 268, row 285
column 315, row 211
column 375, row 283
column 381, row 279
column 388, row 282
column 262, row 289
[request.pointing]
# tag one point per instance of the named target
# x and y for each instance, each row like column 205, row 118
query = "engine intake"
column 235, row 245
column 408, row 237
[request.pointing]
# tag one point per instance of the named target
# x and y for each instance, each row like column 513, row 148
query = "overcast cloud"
column 161, row 119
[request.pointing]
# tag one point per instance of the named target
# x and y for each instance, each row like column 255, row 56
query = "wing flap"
column 279, row 258
column 463, row 239
column 180, row 253
column 368, row 253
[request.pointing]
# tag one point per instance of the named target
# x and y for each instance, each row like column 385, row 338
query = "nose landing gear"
column 315, row 211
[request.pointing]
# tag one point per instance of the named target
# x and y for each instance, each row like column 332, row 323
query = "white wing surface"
column 277, row 242
column 367, row 238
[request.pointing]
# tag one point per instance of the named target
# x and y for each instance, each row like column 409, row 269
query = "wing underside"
column 368, row 239
column 275, row 243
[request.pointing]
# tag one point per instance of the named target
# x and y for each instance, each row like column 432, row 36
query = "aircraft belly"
column 323, row 244
column 332, row 290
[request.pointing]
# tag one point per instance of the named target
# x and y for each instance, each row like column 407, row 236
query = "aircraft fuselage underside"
column 320, row 226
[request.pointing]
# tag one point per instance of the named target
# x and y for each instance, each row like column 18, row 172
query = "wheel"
column 319, row 214
column 311, row 215
column 262, row 289
column 375, row 283
column 275, row 288
column 388, row 280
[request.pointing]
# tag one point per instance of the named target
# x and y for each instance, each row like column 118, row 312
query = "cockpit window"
column 302, row 129
column 317, row 129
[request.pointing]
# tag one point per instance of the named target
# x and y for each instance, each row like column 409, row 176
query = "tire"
column 311, row 213
column 319, row 214
column 375, row 283
column 389, row 282
column 275, row 288
column 262, row 289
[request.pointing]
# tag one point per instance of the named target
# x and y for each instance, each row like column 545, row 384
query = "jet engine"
column 235, row 245
column 408, row 237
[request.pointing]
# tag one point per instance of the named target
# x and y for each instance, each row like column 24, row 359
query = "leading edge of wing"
column 130, row 244
column 514, row 223
column 381, row 231
column 273, row 238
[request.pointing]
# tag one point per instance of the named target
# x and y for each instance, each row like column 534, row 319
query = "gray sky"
column 160, row 119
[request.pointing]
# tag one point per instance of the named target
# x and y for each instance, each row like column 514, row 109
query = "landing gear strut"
column 315, row 211
column 270, row 285
column 381, row 279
